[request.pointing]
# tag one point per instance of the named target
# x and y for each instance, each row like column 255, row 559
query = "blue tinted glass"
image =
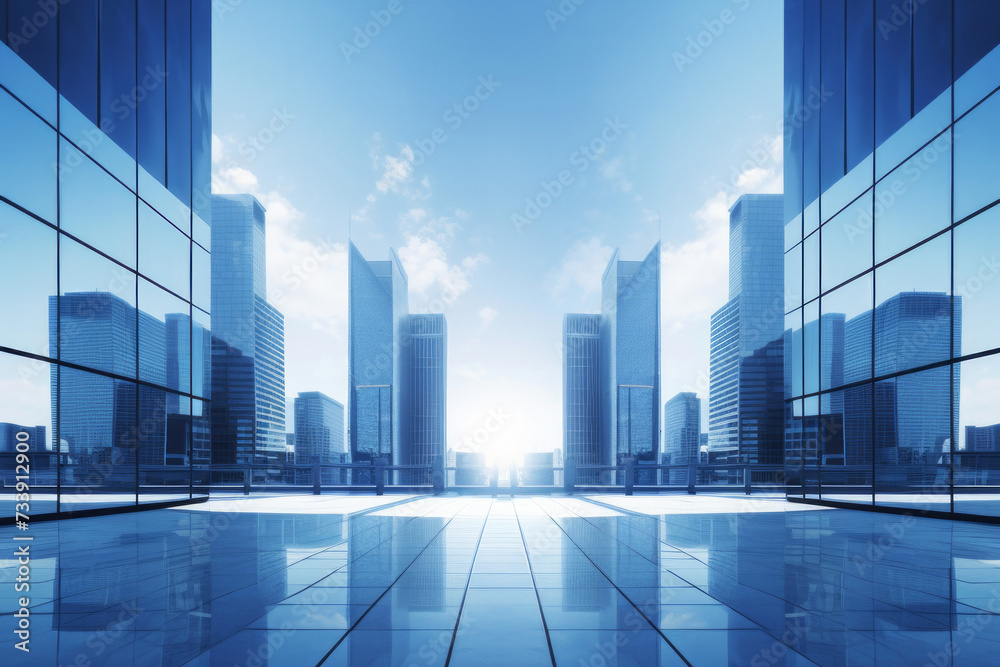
column 201, row 353
column 793, row 354
column 118, row 80
column 810, row 347
column 164, row 252
column 26, row 387
column 96, row 423
column 201, row 278
column 810, row 267
column 29, row 149
column 33, row 35
column 201, row 115
column 914, row 201
column 95, row 207
column 858, row 437
column 977, row 283
column 977, row 170
column 847, row 243
column 834, row 88
column 179, row 100
column 931, row 51
column 152, row 107
column 27, row 248
column 893, row 104
column 164, row 338
column 78, row 56
column 794, row 15
column 977, row 408
column 27, row 85
column 812, row 105
column 860, row 79
column 793, row 278
column 913, row 308
column 852, row 350
column 97, row 316
column 978, row 23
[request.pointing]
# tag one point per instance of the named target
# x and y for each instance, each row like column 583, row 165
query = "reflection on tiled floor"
column 658, row 580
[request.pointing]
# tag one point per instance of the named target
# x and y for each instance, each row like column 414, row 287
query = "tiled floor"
column 658, row 580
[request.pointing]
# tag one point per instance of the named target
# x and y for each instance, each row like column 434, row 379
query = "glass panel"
column 29, row 149
column 978, row 23
column 793, row 232
column 892, row 70
column 179, row 101
column 977, row 283
column 117, row 73
column 926, row 125
column 793, row 110
column 931, row 52
column 977, row 83
column 24, row 82
column 913, row 308
column 834, row 85
column 163, row 443
column 860, row 81
column 796, row 437
column 34, row 35
column 810, row 347
column 164, row 252
column 26, row 407
column 96, row 426
column 977, row 170
column 97, row 317
column 160, row 200
column 201, row 278
column 793, row 278
column 201, row 353
column 27, row 248
column 810, row 268
column 91, row 140
column 793, row 354
column 848, row 188
column 812, row 104
column 847, row 243
column 164, row 338
column 201, row 116
column 977, row 463
column 151, row 115
column 78, row 56
column 914, row 201
column 854, row 302
column 853, row 481
column 95, row 207
column 913, row 431
column 201, row 446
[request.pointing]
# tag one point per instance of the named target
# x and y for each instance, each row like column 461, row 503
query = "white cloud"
column 581, row 268
column 435, row 283
column 397, row 171
column 486, row 317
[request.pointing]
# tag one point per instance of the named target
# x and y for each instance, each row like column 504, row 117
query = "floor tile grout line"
column 465, row 594
column 534, row 586
column 620, row 592
column 394, row 582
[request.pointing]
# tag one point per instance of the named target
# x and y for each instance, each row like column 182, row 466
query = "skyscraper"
column 319, row 431
column 681, row 433
column 611, row 371
column 428, row 379
column 890, row 218
column 248, row 350
column 746, row 362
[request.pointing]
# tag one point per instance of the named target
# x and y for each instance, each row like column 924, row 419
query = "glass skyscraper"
column 746, row 362
column 681, row 434
column 319, row 431
column 891, row 226
column 105, row 168
column 429, row 381
column 248, row 348
column 611, row 371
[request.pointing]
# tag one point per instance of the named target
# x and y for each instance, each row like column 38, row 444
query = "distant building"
column 745, row 405
column 248, row 348
column 35, row 437
column 982, row 438
column 472, row 470
column 319, row 431
column 537, row 470
column 582, row 393
column 429, row 381
column 681, row 434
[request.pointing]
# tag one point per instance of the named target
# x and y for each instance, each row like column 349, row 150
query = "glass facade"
column 319, row 432
column 746, row 351
column 105, row 376
column 248, row 339
column 681, row 435
column 429, row 380
column 891, row 235
column 581, row 392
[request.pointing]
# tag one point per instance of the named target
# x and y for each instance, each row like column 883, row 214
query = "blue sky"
column 656, row 114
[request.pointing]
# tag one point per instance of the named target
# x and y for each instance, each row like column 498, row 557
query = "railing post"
column 437, row 473
column 629, row 475
column 746, row 479
column 317, row 489
column 692, row 478
column 569, row 475
column 380, row 464
column 247, row 473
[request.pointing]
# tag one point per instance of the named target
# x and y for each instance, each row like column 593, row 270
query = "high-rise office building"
column 106, row 158
column 319, row 431
column 681, row 434
column 611, row 371
column 746, row 362
column 890, row 221
column 428, row 380
column 248, row 349
column 397, row 370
